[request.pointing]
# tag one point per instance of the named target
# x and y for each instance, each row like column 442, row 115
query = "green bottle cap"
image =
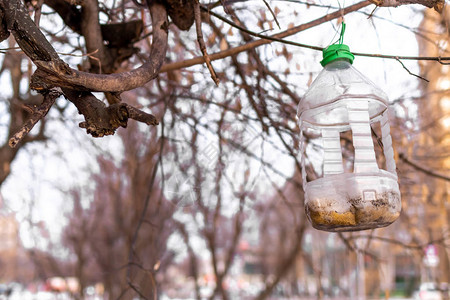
column 336, row 51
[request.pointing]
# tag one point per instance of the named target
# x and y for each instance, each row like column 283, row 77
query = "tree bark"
column 53, row 72
column 438, row 5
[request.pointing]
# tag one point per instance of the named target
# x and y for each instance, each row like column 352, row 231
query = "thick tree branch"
column 4, row 33
column 53, row 72
column 90, row 28
column 27, row 34
column 50, row 74
column 438, row 5
column 101, row 120
column 70, row 14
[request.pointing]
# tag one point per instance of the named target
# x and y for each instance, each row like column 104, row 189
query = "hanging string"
column 341, row 37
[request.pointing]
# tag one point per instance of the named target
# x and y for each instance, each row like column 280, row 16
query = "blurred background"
column 209, row 204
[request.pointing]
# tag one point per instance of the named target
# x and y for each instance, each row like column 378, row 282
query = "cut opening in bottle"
column 357, row 187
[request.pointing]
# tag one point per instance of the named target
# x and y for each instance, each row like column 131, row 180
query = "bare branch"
column 438, row 5
column 257, row 43
column 53, row 72
column 40, row 112
column 201, row 42
column 279, row 38
column 272, row 12
column 101, row 120
column 27, row 34
column 422, row 169
column 90, row 28
column 410, row 73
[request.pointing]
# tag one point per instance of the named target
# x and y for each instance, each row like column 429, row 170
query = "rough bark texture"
column 100, row 120
column 51, row 73
column 38, row 113
column 99, row 58
column 117, row 35
column 181, row 12
column 4, row 33
column 27, row 34
column 438, row 5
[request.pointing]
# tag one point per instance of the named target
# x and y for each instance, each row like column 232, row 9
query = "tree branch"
column 101, row 120
column 39, row 113
column 53, row 72
column 201, row 42
column 410, row 73
column 422, row 169
column 264, row 41
column 27, row 34
column 438, row 5
column 90, row 28
column 278, row 38
column 50, row 74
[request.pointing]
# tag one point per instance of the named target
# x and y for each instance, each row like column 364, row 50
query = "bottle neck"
column 338, row 64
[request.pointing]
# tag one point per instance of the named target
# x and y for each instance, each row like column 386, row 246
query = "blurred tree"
column 109, row 47
column 202, row 187
column 429, row 155
column 118, row 236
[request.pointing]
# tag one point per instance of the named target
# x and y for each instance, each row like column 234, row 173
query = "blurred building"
column 9, row 244
column 432, row 151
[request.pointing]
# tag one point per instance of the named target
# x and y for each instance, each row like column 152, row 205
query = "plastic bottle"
column 343, row 102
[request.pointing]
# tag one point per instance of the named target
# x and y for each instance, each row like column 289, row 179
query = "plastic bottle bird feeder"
column 354, row 191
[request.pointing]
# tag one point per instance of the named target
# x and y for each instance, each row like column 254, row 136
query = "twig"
column 193, row 259
column 279, row 38
column 410, row 73
column 136, row 289
column 225, row 7
column 422, row 169
column 37, row 12
column 397, row 242
column 346, row 242
column 98, row 60
column 266, row 39
column 79, row 55
column 10, row 48
column 354, row 248
column 201, row 42
column 273, row 14
column 274, row 38
column 442, row 63
column 373, row 11
column 39, row 113
column 286, row 262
